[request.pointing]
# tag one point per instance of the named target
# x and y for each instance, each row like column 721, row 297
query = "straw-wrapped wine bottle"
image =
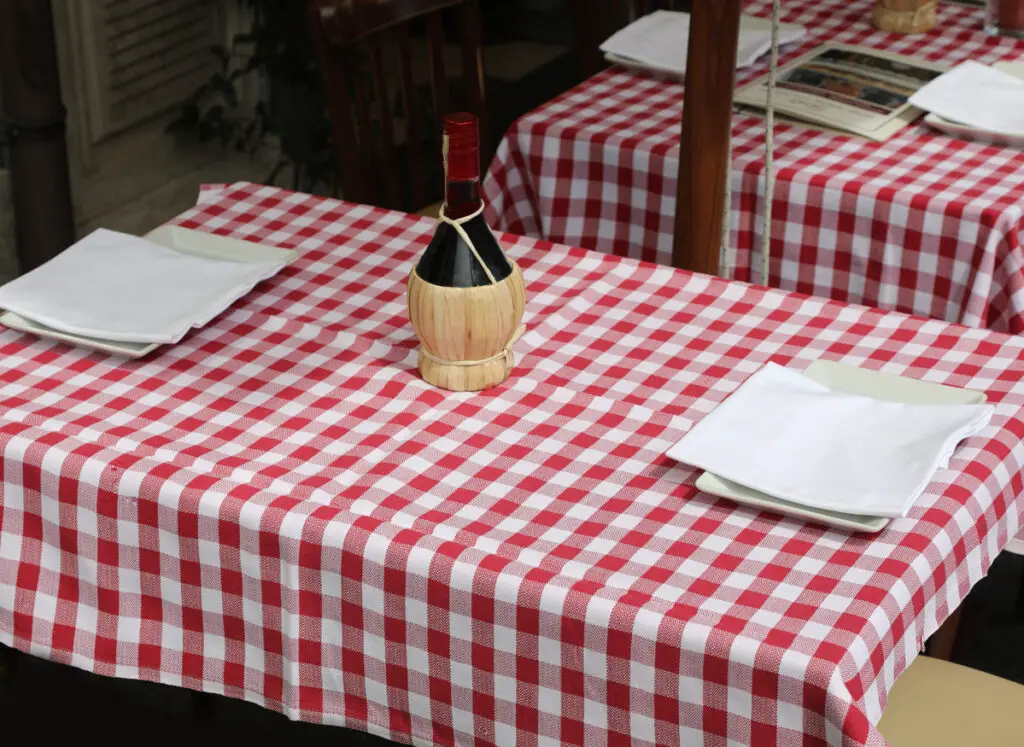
column 905, row 16
column 466, row 298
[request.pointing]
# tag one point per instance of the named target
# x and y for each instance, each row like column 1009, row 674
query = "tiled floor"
column 50, row 698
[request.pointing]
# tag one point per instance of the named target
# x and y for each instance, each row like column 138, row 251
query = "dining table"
column 279, row 509
column 922, row 223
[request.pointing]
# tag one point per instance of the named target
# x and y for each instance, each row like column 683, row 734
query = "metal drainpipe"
column 30, row 81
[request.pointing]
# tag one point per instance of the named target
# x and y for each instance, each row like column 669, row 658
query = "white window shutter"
column 149, row 56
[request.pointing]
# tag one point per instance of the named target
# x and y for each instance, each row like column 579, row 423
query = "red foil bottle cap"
column 462, row 147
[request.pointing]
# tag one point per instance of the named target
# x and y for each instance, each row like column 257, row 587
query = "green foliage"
column 277, row 53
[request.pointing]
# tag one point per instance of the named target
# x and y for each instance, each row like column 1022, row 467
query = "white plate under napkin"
column 660, row 41
column 988, row 100
column 199, row 276
column 786, row 435
column 968, row 132
column 844, row 378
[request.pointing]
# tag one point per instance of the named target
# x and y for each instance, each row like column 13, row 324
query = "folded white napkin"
column 661, row 40
column 114, row 286
column 978, row 96
column 792, row 438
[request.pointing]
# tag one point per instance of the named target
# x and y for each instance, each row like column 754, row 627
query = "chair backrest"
column 595, row 20
column 384, row 144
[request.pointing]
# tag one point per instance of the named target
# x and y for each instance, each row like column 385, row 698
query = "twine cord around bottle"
column 457, row 225
column 506, row 352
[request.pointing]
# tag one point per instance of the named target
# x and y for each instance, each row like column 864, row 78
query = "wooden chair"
column 385, row 152
column 940, row 704
column 594, row 21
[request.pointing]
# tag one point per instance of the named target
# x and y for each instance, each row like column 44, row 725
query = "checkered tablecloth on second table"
column 923, row 224
column 279, row 509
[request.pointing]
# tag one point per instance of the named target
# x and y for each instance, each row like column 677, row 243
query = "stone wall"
column 8, row 259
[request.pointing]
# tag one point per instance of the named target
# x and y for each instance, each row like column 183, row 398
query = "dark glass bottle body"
column 448, row 260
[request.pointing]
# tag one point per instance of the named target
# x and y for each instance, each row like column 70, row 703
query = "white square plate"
column 851, row 380
column 182, row 240
column 966, row 132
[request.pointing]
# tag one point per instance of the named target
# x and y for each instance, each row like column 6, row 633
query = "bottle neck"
column 461, row 198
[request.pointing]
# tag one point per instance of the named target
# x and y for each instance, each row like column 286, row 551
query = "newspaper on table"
column 859, row 90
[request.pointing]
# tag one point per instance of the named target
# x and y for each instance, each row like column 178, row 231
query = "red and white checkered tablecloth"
column 923, row 223
column 279, row 509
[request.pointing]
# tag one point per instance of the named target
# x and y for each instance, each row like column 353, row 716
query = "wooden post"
column 30, row 82
column 707, row 127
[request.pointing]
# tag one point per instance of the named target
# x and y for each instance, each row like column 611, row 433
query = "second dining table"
column 278, row 508
column 923, row 223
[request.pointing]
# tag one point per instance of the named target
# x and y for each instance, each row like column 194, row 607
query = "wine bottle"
column 448, row 260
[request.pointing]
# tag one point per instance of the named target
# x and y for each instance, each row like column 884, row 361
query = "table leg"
column 943, row 643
